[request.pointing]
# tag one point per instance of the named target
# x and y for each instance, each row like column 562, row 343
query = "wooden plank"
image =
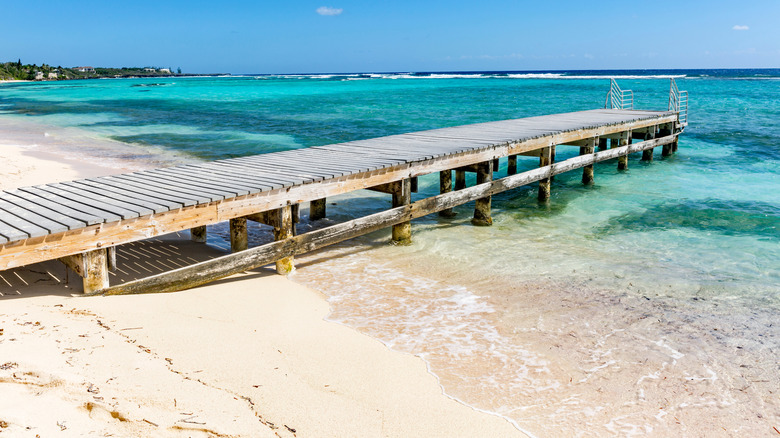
column 157, row 183
column 55, row 199
column 210, row 179
column 265, row 179
column 165, row 196
column 8, row 210
column 123, row 209
column 10, row 233
column 121, row 195
column 199, row 181
column 53, row 215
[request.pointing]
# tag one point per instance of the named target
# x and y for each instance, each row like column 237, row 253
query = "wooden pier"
column 82, row 222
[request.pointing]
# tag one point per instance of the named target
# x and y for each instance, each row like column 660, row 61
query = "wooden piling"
column 317, row 209
column 239, row 238
column 544, row 185
column 445, row 186
column 92, row 267
column 198, row 234
column 284, row 229
column 603, row 144
column 482, row 206
column 402, row 233
column 666, row 149
column 647, row 154
column 511, row 168
column 625, row 139
column 676, row 139
column 587, row 171
column 460, row 179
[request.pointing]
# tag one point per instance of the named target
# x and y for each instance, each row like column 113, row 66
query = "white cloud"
column 326, row 10
column 740, row 27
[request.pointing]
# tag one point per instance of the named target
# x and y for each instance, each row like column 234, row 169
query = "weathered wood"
column 511, row 167
column 625, row 138
column 389, row 188
column 317, row 209
column 215, row 205
column 460, row 179
column 92, row 267
column 603, row 143
column 284, row 230
column 545, row 160
column 647, row 154
column 239, row 238
column 666, row 150
column 402, row 232
column 111, row 258
column 198, row 234
column 211, row 270
column 445, row 186
column 587, row 171
column 482, row 216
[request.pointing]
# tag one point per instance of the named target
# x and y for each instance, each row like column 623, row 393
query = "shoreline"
column 327, row 379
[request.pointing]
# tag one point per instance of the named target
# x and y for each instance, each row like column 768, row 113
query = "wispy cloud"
column 740, row 27
column 326, row 10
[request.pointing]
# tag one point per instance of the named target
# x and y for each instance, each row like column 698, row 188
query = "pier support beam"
column 511, row 168
column 676, row 139
column 239, row 238
column 666, row 149
column 445, row 186
column 317, row 209
column 603, row 144
column 545, row 159
column 92, row 266
column 624, row 140
column 647, row 154
column 587, row 171
column 482, row 216
column 198, row 234
column 402, row 233
column 460, row 179
column 284, row 228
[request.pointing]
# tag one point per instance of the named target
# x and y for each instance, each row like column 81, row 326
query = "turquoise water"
column 646, row 304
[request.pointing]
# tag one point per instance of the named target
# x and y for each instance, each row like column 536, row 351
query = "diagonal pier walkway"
column 81, row 222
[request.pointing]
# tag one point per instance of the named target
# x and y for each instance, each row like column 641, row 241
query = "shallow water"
column 645, row 304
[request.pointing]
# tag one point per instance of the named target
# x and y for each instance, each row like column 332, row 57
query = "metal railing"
column 678, row 102
column 618, row 98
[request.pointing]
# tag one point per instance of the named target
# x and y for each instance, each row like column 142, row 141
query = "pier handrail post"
column 402, row 233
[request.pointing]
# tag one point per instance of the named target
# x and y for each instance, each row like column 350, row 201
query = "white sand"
column 248, row 356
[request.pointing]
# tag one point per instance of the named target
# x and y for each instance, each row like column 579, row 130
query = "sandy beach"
column 251, row 355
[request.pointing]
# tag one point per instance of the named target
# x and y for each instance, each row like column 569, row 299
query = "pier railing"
column 618, row 98
column 678, row 101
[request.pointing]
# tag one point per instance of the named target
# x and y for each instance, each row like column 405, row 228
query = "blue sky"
column 360, row 36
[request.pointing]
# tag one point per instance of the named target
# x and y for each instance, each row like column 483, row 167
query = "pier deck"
column 81, row 222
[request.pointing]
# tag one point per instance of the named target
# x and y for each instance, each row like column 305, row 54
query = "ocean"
column 644, row 305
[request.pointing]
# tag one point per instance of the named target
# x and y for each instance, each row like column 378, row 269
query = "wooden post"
column 482, row 206
column 198, row 234
column 587, row 171
column 544, row 185
column 402, row 233
column 603, row 144
column 296, row 218
column 284, row 229
column 317, row 209
column 511, row 167
column 95, row 270
column 239, row 238
column 92, row 266
column 445, row 186
column 552, row 160
column 625, row 138
column 460, row 179
column 666, row 149
column 111, row 258
column 676, row 139
column 647, row 154
column 496, row 164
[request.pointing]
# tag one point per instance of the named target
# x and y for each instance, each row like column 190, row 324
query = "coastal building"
column 165, row 70
column 38, row 75
column 149, row 69
column 52, row 75
column 85, row 69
